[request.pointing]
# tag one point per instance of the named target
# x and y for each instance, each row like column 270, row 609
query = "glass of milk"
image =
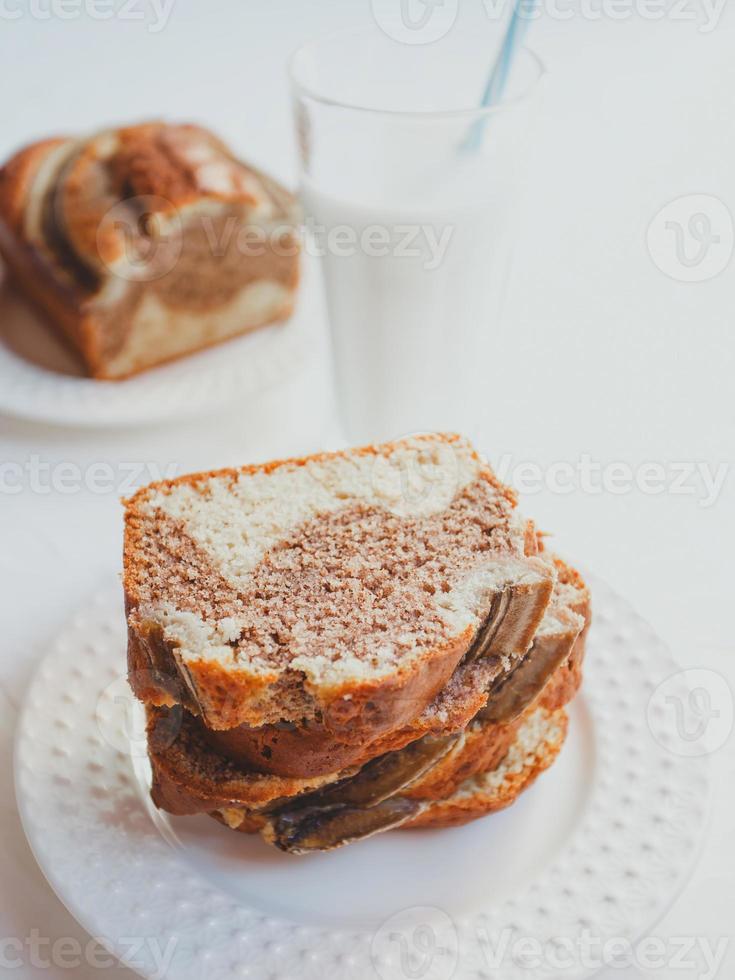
column 410, row 192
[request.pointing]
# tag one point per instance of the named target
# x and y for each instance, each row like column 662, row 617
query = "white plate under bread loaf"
column 329, row 646
column 146, row 243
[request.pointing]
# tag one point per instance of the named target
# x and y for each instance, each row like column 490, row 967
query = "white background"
column 602, row 354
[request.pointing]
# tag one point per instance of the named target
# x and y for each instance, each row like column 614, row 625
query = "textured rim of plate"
column 635, row 845
column 202, row 382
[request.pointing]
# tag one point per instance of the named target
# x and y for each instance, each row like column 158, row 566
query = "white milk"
column 413, row 333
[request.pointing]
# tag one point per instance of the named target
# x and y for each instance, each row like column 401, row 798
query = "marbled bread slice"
column 306, row 749
column 343, row 587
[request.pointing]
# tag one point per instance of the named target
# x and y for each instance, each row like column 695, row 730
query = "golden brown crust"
column 62, row 308
column 56, row 298
column 459, row 809
column 16, row 177
column 189, row 778
column 565, row 683
column 82, row 199
column 482, row 748
column 233, row 473
column 149, row 673
column 567, row 680
column 377, row 707
column 145, row 164
column 152, row 161
column 309, row 749
column 165, row 161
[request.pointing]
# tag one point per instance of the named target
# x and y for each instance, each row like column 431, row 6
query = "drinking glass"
column 410, row 192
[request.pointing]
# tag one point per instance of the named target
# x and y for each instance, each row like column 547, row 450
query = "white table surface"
column 602, row 353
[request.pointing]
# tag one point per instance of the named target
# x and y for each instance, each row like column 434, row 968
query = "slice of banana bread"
column 343, row 588
column 148, row 242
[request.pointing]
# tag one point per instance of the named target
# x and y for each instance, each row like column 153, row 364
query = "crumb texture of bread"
column 334, row 570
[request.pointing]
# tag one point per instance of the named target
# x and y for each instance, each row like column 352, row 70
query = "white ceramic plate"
column 40, row 380
column 602, row 843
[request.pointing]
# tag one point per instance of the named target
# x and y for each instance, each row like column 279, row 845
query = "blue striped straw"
column 493, row 93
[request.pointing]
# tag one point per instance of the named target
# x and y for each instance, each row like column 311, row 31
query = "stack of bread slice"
column 338, row 645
